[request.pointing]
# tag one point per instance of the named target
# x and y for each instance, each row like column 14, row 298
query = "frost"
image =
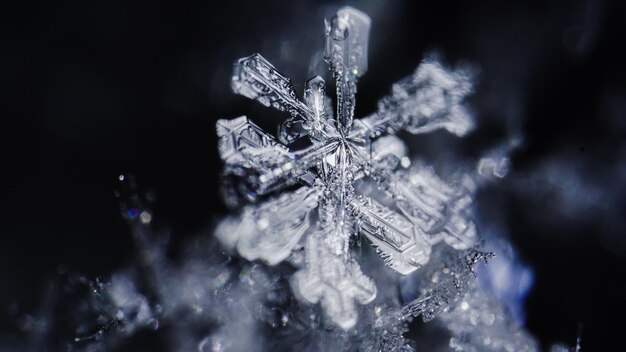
column 353, row 180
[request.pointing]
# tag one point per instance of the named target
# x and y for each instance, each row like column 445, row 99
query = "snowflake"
column 352, row 179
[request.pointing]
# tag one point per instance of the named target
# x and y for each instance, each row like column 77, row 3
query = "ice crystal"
column 448, row 286
column 353, row 178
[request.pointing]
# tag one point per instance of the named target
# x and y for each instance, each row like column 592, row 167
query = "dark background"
column 93, row 89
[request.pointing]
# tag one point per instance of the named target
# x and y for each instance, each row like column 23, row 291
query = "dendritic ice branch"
column 352, row 179
column 448, row 286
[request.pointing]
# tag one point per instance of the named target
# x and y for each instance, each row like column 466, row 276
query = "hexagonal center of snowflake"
column 346, row 155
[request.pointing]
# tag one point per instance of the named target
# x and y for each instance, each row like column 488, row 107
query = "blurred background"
column 91, row 90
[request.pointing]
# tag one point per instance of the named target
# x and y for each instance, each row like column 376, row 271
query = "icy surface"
column 352, row 182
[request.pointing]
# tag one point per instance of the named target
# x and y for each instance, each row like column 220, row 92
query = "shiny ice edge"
column 354, row 179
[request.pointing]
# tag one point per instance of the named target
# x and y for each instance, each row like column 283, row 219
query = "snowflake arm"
column 347, row 36
column 394, row 236
column 257, row 79
column 270, row 230
column 267, row 165
column 449, row 286
column 430, row 99
column 334, row 282
column 242, row 142
column 438, row 210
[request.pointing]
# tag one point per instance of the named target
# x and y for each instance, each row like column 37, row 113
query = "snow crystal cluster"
column 290, row 270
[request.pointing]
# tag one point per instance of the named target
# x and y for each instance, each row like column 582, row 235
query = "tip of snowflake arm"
column 256, row 78
column 270, row 230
